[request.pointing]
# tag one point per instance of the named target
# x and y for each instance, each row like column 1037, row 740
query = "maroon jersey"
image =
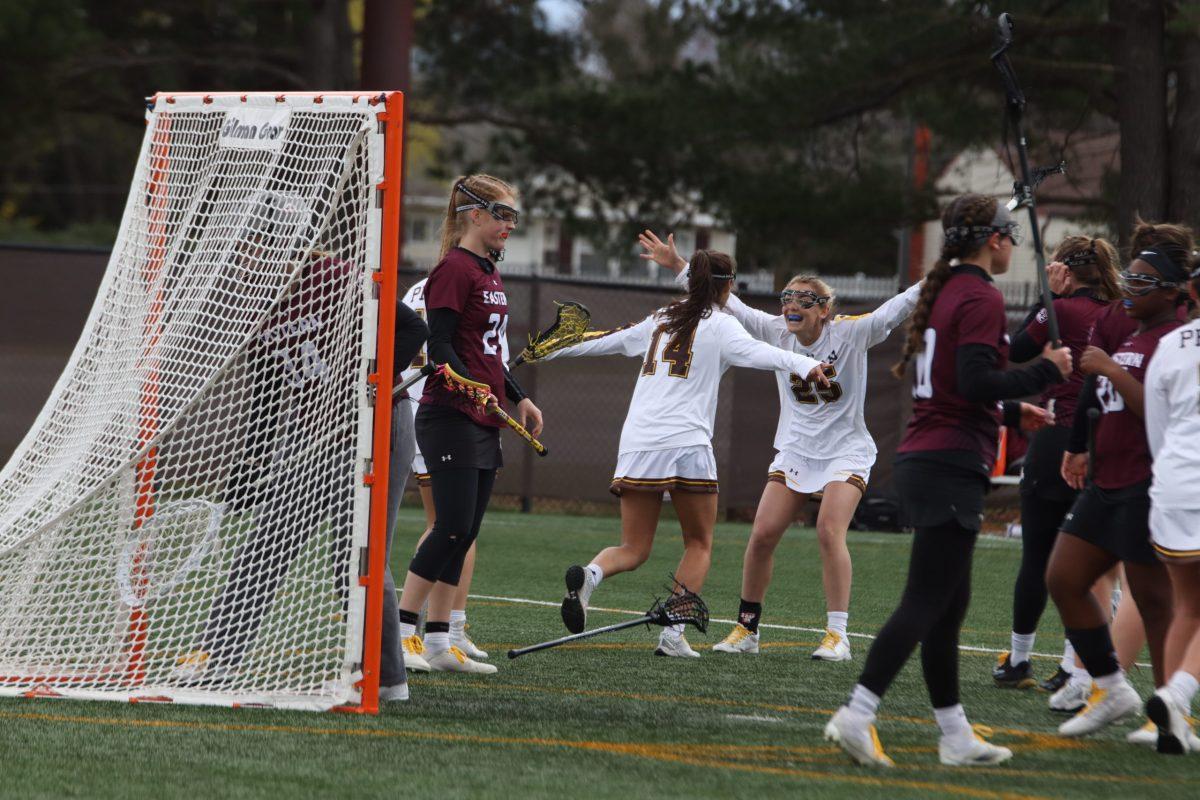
column 1076, row 316
column 1122, row 454
column 462, row 283
column 968, row 310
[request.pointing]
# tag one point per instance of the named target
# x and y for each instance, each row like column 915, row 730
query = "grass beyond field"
column 605, row 718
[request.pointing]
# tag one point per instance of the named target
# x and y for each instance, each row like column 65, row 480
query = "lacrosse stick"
column 570, row 327
column 478, row 393
column 681, row 608
column 1023, row 188
column 423, row 372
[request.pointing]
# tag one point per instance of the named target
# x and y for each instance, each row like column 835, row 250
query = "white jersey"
column 819, row 422
column 675, row 399
column 1173, row 418
column 414, row 298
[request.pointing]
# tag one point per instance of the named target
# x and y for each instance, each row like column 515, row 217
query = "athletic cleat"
column 1071, row 698
column 1008, row 676
column 834, row 647
column 739, row 640
column 1104, row 707
column 1172, row 723
column 414, row 654
column 455, row 660
column 674, row 646
column 1146, row 736
column 198, row 667
column 393, row 694
column 858, row 737
column 1055, row 682
column 574, row 608
column 458, row 638
column 976, row 751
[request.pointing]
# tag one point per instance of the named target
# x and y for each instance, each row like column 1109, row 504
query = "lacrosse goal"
column 197, row 514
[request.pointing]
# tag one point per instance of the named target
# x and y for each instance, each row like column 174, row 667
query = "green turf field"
column 606, row 718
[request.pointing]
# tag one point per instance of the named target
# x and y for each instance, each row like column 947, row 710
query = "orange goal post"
column 197, row 514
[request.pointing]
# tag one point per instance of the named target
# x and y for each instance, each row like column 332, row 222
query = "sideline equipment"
column 193, row 515
column 681, row 608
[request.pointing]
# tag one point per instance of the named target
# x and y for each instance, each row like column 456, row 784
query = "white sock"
column 1022, row 646
column 674, row 631
column 1068, row 658
column 953, row 721
column 437, row 642
column 593, row 574
column 836, row 621
column 1182, row 687
column 1111, row 681
column 458, row 621
column 407, row 630
column 863, row 701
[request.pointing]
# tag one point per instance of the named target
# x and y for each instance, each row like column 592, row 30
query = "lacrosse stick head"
column 570, row 324
column 467, row 391
column 682, row 607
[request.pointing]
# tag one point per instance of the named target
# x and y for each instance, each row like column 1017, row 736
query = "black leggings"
column 1041, row 518
column 460, row 497
column 930, row 613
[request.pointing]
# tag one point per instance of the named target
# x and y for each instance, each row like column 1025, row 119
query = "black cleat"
column 1055, row 681
column 574, row 615
column 1007, row 676
column 1158, row 712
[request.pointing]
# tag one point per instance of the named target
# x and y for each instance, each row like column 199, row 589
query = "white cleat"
column 393, row 694
column 834, row 647
column 973, row 752
column 1146, row 736
column 1104, row 707
column 739, row 640
column 1072, row 697
column 574, row 604
column 458, row 638
column 455, row 660
column 1172, row 722
column 858, row 737
column 414, row 654
column 674, row 646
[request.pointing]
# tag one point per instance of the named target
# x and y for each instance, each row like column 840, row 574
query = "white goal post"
column 197, row 514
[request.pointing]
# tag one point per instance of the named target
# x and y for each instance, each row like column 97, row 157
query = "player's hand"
column 1096, row 362
column 1058, row 275
column 1034, row 418
column 817, row 375
column 1059, row 357
column 530, row 417
column 660, row 252
column 1074, row 469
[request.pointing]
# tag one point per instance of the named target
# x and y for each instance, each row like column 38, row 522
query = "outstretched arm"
column 630, row 340
column 739, row 349
column 883, row 320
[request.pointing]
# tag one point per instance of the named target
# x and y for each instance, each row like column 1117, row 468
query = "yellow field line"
column 656, row 752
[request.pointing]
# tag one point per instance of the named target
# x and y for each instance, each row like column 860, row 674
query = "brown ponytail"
column 1100, row 272
column 968, row 210
column 454, row 224
column 681, row 317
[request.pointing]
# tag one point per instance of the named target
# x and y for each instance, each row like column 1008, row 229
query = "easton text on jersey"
column 1129, row 359
column 291, row 328
column 495, row 298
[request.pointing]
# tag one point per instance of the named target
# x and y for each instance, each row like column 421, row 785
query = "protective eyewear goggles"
column 802, row 297
column 978, row 233
column 1140, row 284
column 499, row 211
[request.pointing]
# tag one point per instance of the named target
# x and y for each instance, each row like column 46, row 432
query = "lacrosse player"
column 666, row 442
column 959, row 333
column 821, row 440
column 467, row 310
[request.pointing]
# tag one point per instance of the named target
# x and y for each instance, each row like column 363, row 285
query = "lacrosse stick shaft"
column 620, row 626
column 423, row 372
column 1016, row 109
column 519, row 429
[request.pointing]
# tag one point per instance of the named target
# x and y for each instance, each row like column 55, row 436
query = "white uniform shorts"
column 1175, row 534
column 418, row 468
column 809, row 475
column 677, row 469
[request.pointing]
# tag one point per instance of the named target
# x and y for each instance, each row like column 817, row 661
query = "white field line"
column 527, row 601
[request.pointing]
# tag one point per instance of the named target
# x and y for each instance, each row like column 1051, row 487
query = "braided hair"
column 967, row 211
column 708, row 274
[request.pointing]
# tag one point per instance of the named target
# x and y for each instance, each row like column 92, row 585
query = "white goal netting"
column 186, row 518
